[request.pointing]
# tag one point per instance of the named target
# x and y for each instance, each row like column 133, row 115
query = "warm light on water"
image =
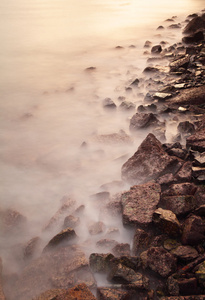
column 49, row 105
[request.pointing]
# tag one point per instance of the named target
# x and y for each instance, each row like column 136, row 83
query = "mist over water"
column 50, row 104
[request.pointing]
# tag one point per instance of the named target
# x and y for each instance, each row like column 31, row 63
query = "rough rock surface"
column 167, row 222
column 139, row 203
column 104, row 293
column 149, row 162
column 2, row 296
column 197, row 141
column 193, row 231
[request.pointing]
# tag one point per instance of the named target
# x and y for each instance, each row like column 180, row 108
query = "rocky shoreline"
column 165, row 205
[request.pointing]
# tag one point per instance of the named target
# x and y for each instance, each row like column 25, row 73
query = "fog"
column 50, row 104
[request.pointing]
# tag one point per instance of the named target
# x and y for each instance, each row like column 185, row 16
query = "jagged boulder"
column 167, row 222
column 105, row 293
column 100, row 262
column 193, row 230
column 62, row 237
column 139, row 203
column 149, row 162
column 194, row 25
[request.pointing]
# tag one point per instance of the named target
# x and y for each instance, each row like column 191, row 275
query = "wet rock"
column 161, row 261
column 194, row 25
column 2, row 296
column 108, row 103
column 149, row 162
column 126, row 105
column 167, row 222
column 156, row 49
column 134, row 210
column 194, row 95
column 104, row 293
column 96, row 228
column 31, row 247
column 121, row 250
column 140, row 120
column 62, row 237
column 185, row 253
column 179, row 205
column 197, row 141
column 179, row 63
column 100, row 263
column 71, row 221
column 62, row 268
column 186, row 128
column 141, row 241
column 193, row 230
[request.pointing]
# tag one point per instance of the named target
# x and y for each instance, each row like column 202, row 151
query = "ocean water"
column 50, row 104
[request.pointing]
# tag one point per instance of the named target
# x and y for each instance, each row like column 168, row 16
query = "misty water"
column 50, row 104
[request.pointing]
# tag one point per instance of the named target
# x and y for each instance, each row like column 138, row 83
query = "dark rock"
column 71, row 221
column 161, row 261
column 170, row 244
column 151, row 70
column 160, row 27
column 175, row 26
column 80, row 291
column 62, row 268
column 126, row 105
column 197, row 141
column 181, row 62
column 194, row 95
column 186, row 127
column 188, row 286
column 162, row 96
column 185, row 172
column 51, row 294
column 140, row 120
column 105, row 293
column 62, row 237
column 193, row 230
column 31, row 247
column 179, row 205
column 100, row 263
column 156, row 49
column 167, row 222
column 141, row 241
column 180, row 189
column 200, row 211
column 135, row 82
column 90, row 69
column 121, row 250
column 134, row 210
column 101, row 196
column 200, row 274
column 106, row 244
column 181, row 153
column 195, row 38
column 96, row 228
column 194, row 25
column 108, row 103
column 166, row 180
column 185, row 253
column 147, row 44
column 149, row 162
column 200, row 195
column 173, row 287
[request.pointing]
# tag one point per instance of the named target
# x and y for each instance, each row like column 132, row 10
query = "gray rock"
column 135, row 212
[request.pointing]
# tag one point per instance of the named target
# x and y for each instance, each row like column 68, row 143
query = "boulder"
column 31, row 247
column 193, row 95
column 100, row 263
column 167, row 222
column 197, row 141
column 127, row 105
column 105, row 293
column 156, row 49
column 194, row 25
column 62, row 268
column 139, row 203
column 193, row 38
column 179, row 205
column 185, row 172
column 141, row 241
column 200, row 196
column 200, row 274
column 179, row 63
column 140, row 120
column 96, row 228
column 149, row 162
column 193, row 230
column 106, row 244
column 185, row 253
column 121, row 249
column 61, row 238
column 186, row 127
column 71, row 221
column 161, row 261
column 11, row 221
column 109, row 104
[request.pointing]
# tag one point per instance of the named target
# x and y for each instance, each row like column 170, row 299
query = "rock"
column 140, row 120
column 188, row 286
column 193, row 230
column 200, row 274
column 167, row 222
column 151, row 70
column 124, row 275
column 62, row 237
column 11, row 221
column 135, row 82
column 141, row 241
column 170, row 244
column 160, row 27
column 197, row 141
column 108, row 103
column 100, row 263
column 162, row 96
column 173, row 286
column 156, row 49
column 51, row 294
column 175, row 26
column 185, row 172
column 31, row 247
column 105, row 293
column 71, row 221
column 166, row 180
column 200, row 195
column 96, row 228
column 149, row 162
column 181, row 153
column 179, row 205
column 126, row 105
column 2, row 296
column 186, row 128
column 180, row 189
column 61, row 268
column 195, row 38
column 185, row 253
column 147, row 44
column 194, row 25
column 106, row 244
column 193, row 95
column 121, row 250
column 179, row 63
column 135, row 212
column 161, row 261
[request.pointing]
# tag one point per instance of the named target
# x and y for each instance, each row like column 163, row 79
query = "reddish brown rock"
column 31, row 247
column 106, row 244
column 190, row 96
column 161, row 261
column 185, row 253
column 194, row 25
column 185, row 172
column 121, row 250
column 197, row 141
column 167, row 222
column 100, row 262
column 140, row 203
column 180, row 189
column 62, row 237
column 149, row 162
column 71, row 221
column 179, row 205
column 11, row 221
column 78, row 292
column 104, row 293
column 193, row 231
column 141, row 241
column 140, row 120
